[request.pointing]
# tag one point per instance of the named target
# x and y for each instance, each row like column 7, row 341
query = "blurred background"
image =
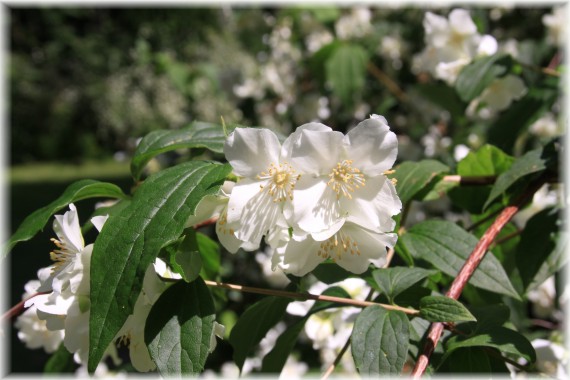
column 86, row 83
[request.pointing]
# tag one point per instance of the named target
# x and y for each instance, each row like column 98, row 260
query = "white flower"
column 556, row 24
column 460, row 151
column 546, row 126
column 356, row 24
column 344, row 178
column 32, row 330
column 451, row 44
column 352, row 247
column 66, row 307
column 498, row 96
column 256, row 202
column 551, row 358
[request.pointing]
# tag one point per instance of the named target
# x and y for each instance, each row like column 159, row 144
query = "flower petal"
column 287, row 148
column 68, row 231
column 301, row 257
column 316, row 151
column 251, row 150
column 252, row 211
column 315, row 205
column 99, row 221
column 373, row 205
column 372, row 146
column 370, row 245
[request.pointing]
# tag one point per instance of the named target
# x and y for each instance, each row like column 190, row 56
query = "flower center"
column 281, row 181
column 338, row 244
column 344, row 179
column 60, row 256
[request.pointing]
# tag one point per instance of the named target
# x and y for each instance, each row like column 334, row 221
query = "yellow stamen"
column 281, row 181
column 344, row 179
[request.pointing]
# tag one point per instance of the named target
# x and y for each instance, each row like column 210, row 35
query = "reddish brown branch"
column 206, row 222
column 466, row 272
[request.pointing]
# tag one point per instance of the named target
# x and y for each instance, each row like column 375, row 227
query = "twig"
column 387, row 81
column 543, row 70
column 337, row 360
column 508, row 237
column 471, row 181
column 306, row 296
column 466, row 272
column 206, row 222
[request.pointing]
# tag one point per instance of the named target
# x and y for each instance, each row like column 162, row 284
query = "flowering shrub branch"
column 467, row 271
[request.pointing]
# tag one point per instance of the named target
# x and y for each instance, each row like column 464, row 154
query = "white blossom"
column 556, row 25
column 355, row 24
column 451, row 44
column 547, row 126
column 32, row 330
column 268, row 180
column 551, row 358
column 497, row 97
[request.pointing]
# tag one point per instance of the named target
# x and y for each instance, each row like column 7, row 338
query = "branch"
column 471, row 181
column 467, row 271
column 307, row 296
column 387, row 81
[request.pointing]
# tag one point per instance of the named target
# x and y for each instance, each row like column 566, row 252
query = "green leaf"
column 505, row 340
column 393, row 281
column 275, row 360
column 443, row 96
column 253, row 324
column 469, row 360
column 447, row 246
column 132, row 239
column 532, row 162
column 186, row 258
column 346, row 71
column 210, row 253
column 179, row 327
column 60, row 362
column 537, row 248
column 415, row 179
column 478, row 75
column 486, row 161
column 379, row 341
column 197, row 135
column 330, row 273
column 77, row 191
column 444, row 309
column 521, row 114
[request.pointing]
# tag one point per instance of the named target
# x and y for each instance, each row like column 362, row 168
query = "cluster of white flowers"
column 452, row 44
column 355, row 24
column 320, row 195
column 58, row 305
